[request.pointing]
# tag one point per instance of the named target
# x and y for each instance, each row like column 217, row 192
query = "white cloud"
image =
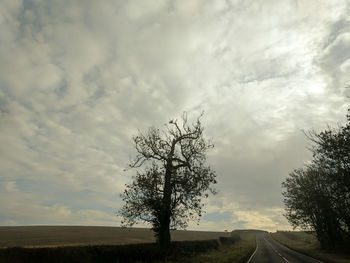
column 269, row 219
column 77, row 81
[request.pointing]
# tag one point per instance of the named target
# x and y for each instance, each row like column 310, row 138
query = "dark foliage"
column 318, row 196
column 229, row 240
column 124, row 253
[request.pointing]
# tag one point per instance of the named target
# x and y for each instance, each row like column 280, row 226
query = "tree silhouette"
column 318, row 196
column 169, row 191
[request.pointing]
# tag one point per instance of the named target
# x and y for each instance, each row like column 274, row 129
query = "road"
column 270, row 251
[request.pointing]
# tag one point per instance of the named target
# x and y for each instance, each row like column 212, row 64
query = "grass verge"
column 307, row 244
column 238, row 252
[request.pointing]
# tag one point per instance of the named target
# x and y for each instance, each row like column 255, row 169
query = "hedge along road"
column 269, row 250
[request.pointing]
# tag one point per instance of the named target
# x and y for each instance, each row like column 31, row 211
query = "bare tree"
column 168, row 192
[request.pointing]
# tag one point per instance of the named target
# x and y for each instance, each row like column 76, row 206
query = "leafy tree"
column 309, row 205
column 332, row 154
column 169, row 191
column 318, row 196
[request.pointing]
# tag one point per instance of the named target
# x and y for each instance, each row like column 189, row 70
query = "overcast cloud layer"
column 79, row 78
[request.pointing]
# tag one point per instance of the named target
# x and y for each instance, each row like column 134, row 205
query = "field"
column 52, row 236
column 59, row 244
column 307, row 243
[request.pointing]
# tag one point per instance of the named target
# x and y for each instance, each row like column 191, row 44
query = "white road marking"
column 256, row 249
column 276, row 251
column 294, row 252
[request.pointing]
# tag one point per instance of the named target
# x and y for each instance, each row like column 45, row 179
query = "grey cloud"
column 335, row 60
column 336, row 29
column 78, row 80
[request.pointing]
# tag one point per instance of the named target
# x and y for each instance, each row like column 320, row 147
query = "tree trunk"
column 164, row 228
column 164, row 235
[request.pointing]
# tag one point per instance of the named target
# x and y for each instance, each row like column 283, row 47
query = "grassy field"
column 52, row 236
column 77, row 244
column 307, row 244
column 238, row 252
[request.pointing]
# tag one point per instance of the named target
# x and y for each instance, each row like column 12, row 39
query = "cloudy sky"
column 79, row 78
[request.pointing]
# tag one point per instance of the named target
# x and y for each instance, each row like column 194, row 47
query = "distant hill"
column 249, row 231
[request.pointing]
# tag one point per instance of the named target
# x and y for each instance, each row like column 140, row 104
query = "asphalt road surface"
column 270, row 251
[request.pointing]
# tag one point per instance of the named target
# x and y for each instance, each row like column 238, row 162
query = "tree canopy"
column 172, row 179
column 318, row 195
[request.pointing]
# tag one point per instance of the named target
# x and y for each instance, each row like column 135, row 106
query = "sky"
column 79, row 78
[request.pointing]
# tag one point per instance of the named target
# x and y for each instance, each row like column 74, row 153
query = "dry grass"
column 239, row 252
column 308, row 244
column 52, row 236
